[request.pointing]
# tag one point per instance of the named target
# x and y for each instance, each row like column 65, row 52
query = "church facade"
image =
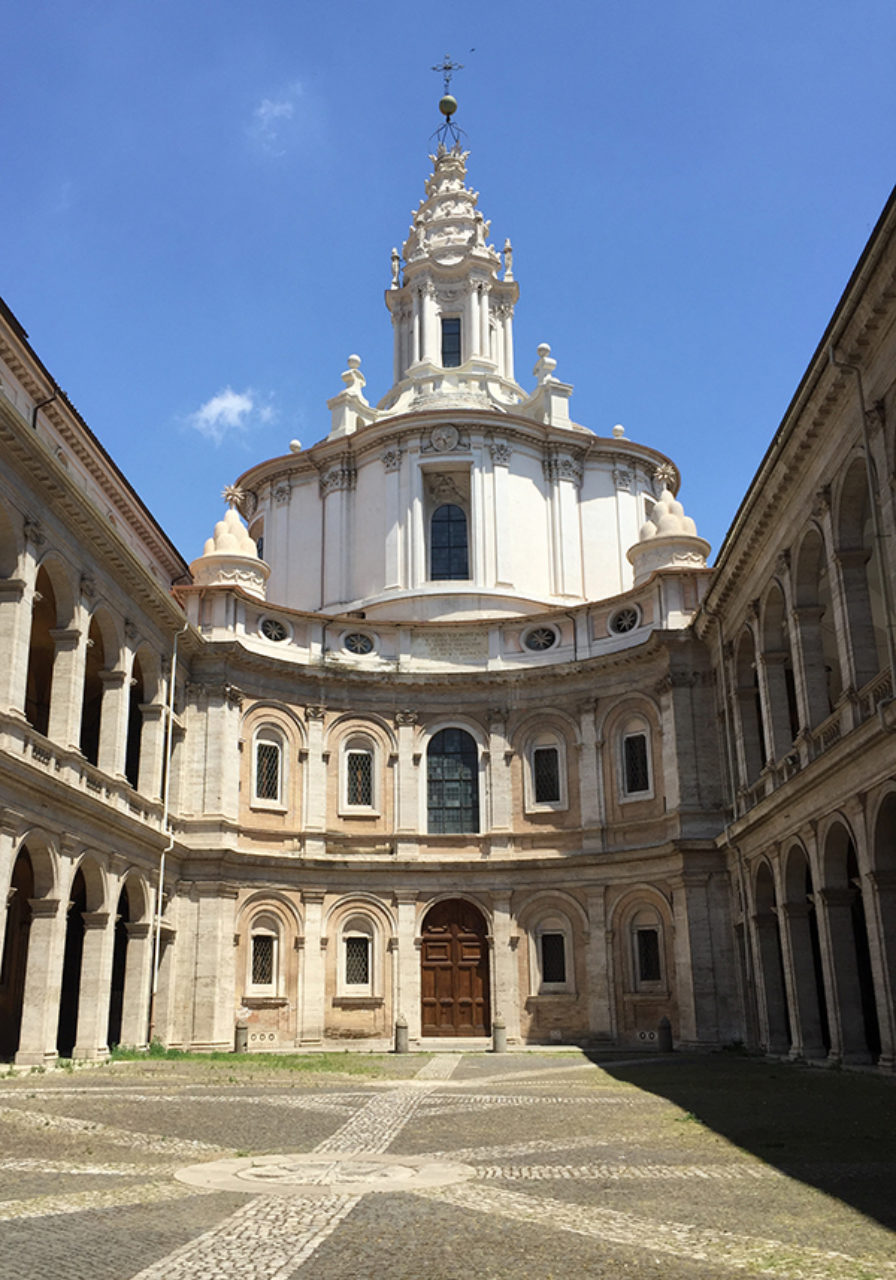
column 451, row 726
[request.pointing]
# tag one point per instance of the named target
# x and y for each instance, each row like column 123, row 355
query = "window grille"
column 448, row 552
column 540, row 638
column 267, row 771
column 357, row 962
column 450, row 342
column 262, row 960
column 648, row 941
column 452, row 783
column 546, row 775
column 359, row 774
column 273, row 629
column 637, row 773
column 553, row 957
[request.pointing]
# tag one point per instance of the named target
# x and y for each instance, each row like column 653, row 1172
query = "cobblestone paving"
column 574, row 1174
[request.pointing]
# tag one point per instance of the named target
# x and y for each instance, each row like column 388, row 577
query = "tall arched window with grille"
column 359, row 782
column 452, row 776
column 268, row 783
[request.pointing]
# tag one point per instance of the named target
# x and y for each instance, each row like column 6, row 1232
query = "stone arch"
column 554, row 924
column 777, row 659
column 101, row 657
column 124, row 914
column 882, row 881
column 814, row 608
column 632, row 757
column 847, row 931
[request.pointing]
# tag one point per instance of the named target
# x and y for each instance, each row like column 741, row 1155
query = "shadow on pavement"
column 835, row 1130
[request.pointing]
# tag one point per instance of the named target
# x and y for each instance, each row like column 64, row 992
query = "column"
column 500, row 818
column 881, row 921
column 838, row 953
column 590, row 797
column 483, row 322
column 9, row 837
column 43, row 983
column 812, row 688
column 67, row 690
column 429, row 342
column 416, row 347
column 695, row 970
column 859, row 628
column 507, row 335
column 137, row 980
column 470, row 327
column 163, row 1021
column 507, row 986
column 96, row 985
column 113, row 722
column 502, row 523
column 311, row 1027
column 214, row 978
column 407, row 998
column 772, row 668
column 772, row 1000
column 152, row 750
column 599, row 967
column 315, row 807
column 15, row 639
column 799, row 970
column 407, row 800
column 392, row 515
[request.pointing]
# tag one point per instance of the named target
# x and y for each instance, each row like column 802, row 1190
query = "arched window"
column 552, row 957
column 452, row 774
column 92, row 699
column 263, row 977
column 268, row 783
column 635, row 772
column 546, row 773
column 358, row 958
column 448, row 543
column 359, row 783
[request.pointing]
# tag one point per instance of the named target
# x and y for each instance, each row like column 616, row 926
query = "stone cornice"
column 59, row 491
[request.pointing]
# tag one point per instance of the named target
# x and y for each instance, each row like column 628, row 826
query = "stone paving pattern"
column 686, row 1167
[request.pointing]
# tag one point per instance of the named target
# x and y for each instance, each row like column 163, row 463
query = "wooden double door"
column 454, row 973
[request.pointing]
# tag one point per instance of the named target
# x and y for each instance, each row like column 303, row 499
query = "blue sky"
column 200, row 199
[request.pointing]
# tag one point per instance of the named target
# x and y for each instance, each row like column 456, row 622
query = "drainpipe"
column 875, row 525
column 41, row 404
column 166, row 825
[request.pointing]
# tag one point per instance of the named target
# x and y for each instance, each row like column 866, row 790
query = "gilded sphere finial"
column 448, row 105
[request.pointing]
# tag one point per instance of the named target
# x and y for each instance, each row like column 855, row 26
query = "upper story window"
column 267, row 772
column 359, row 782
column 448, row 550
column 452, row 773
column 635, row 765
column 450, row 342
column 545, row 772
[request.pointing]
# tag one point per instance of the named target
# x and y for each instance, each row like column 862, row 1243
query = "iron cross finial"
column 447, row 68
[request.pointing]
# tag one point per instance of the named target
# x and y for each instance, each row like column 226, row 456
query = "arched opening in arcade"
column 15, row 954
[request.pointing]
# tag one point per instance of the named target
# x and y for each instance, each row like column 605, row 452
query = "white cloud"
column 229, row 413
column 274, row 120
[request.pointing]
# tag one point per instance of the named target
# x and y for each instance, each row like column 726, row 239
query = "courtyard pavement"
column 536, row 1166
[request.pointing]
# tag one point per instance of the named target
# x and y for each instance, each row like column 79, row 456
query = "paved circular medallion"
column 351, row 1173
